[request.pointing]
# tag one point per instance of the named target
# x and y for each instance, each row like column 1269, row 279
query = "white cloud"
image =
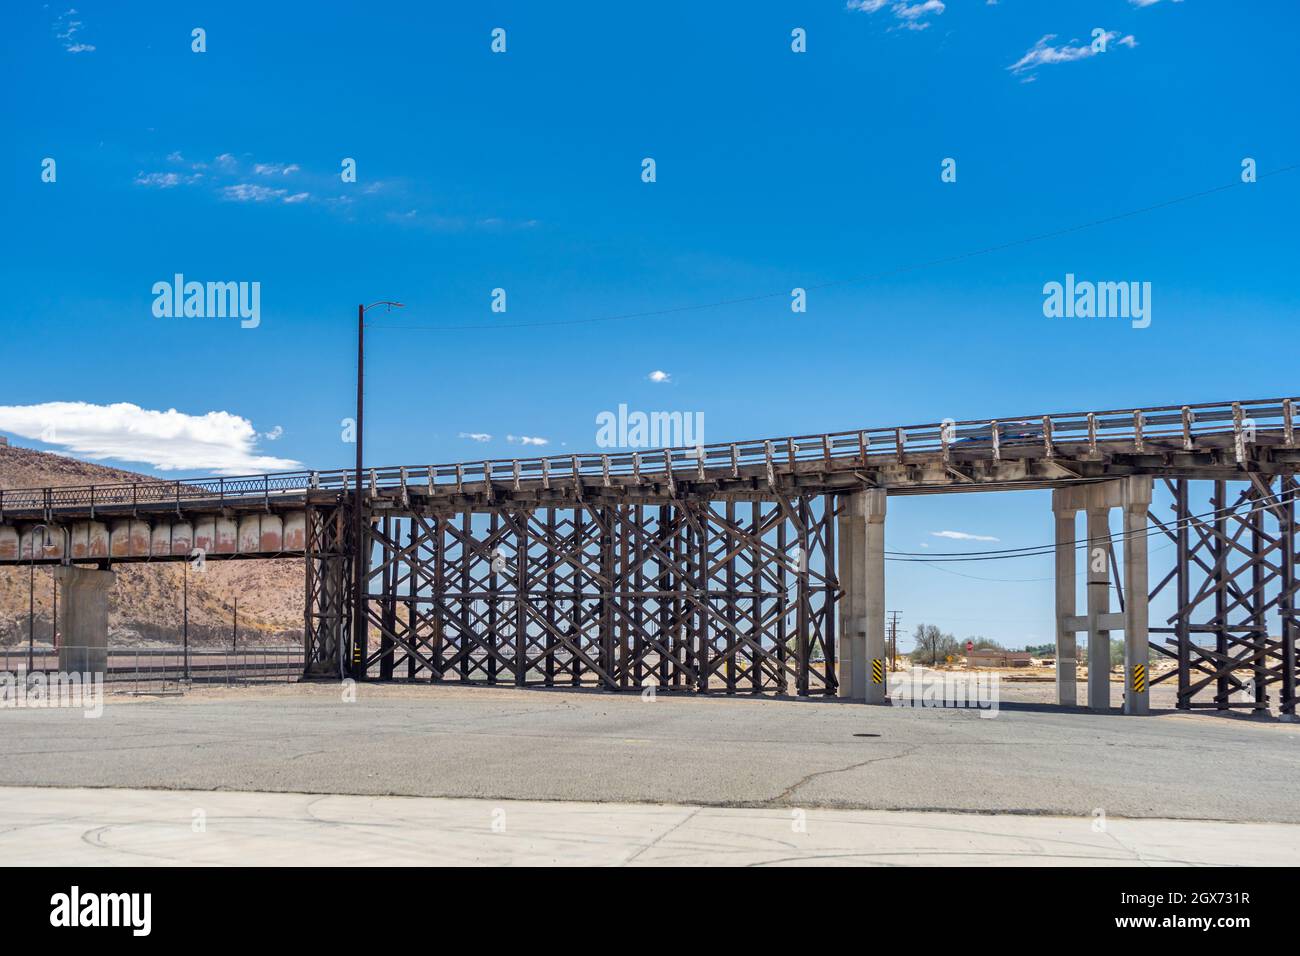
column 1043, row 53
column 1148, row 3
column 66, row 30
column 527, row 440
column 274, row 433
column 659, row 376
column 915, row 11
column 168, row 441
column 275, row 169
column 910, row 16
column 963, row 536
column 238, row 178
column 164, row 180
column 475, row 436
column 250, row 192
column 226, row 167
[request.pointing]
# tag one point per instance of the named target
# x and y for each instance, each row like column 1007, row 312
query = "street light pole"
column 360, row 553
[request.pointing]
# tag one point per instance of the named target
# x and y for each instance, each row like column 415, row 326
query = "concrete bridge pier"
column 1097, row 556
column 1133, row 495
column 863, row 671
column 83, row 637
column 1067, row 660
column 1136, row 501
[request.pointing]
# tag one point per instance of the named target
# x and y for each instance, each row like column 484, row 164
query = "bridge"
column 754, row 567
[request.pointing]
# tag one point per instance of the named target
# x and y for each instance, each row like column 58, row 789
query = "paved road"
column 503, row 743
column 143, row 827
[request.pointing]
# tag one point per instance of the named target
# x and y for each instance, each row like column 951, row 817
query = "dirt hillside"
column 147, row 601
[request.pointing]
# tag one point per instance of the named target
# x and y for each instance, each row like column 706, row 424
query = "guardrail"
column 1180, row 424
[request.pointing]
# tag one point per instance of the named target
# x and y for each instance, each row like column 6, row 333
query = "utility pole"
column 360, row 553
column 358, row 520
column 893, row 641
column 234, row 629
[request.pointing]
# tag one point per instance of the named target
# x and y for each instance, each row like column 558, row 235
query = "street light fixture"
column 358, row 529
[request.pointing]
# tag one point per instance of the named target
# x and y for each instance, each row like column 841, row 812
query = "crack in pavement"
column 785, row 794
column 671, row 830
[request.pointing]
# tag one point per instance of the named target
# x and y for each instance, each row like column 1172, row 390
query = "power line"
column 1034, row 551
column 1078, row 574
column 898, row 270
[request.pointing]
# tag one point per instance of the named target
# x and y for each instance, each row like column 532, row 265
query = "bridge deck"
column 1222, row 441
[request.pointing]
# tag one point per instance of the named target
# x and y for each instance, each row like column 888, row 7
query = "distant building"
column 989, row 657
column 3, row 441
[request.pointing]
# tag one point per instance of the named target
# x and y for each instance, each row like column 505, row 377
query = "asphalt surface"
column 76, row 827
column 508, row 744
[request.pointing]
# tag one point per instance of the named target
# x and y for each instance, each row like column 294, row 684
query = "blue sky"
column 522, row 171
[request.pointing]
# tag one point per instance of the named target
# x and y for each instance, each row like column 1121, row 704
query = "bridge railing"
column 1014, row 435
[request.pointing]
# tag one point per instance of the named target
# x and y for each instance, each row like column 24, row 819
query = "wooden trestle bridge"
column 753, row 567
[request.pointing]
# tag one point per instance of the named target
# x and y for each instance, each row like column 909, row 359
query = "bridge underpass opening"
column 1214, row 618
column 1008, row 579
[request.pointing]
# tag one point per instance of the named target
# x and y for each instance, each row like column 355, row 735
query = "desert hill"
column 146, row 607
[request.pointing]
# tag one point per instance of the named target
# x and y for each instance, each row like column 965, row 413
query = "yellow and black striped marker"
column 1139, row 678
column 877, row 671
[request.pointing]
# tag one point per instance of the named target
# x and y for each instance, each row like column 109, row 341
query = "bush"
column 933, row 646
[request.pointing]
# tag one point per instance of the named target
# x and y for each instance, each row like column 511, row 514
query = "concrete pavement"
column 76, row 827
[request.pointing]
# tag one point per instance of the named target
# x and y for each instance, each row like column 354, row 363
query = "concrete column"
column 877, row 691
column 83, row 610
column 1098, row 606
column 862, row 609
column 852, row 532
column 1137, row 679
column 1067, row 694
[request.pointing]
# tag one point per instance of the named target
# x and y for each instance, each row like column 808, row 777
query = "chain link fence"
column 159, row 669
